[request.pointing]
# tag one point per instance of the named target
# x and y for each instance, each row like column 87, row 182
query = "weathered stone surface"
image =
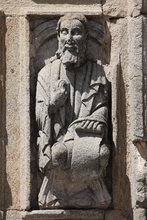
column 2, row 110
column 61, row 10
column 136, row 77
column 137, row 70
column 117, row 73
column 58, row 6
column 114, row 215
column 12, row 114
column 110, row 7
column 139, row 214
column 137, row 7
column 24, row 108
column 141, row 176
column 71, row 214
column 122, row 8
column 13, row 215
column 144, row 36
column 134, row 7
column 64, row 214
column 115, row 8
column 78, row 105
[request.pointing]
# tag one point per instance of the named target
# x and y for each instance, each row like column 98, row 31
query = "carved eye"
column 64, row 31
column 76, row 31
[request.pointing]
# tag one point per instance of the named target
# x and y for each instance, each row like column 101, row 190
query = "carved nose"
column 70, row 38
column 70, row 41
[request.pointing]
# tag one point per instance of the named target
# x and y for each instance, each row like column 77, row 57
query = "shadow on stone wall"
column 5, row 192
column 75, row 2
column 120, row 180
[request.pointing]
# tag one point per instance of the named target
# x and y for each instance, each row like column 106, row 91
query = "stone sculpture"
column 72, row 115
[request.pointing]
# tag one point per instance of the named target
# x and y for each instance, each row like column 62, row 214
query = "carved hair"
column 70, row 16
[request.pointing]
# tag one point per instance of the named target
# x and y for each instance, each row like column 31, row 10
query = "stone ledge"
column 64, row 214
column 93, row 10
column 61, row 214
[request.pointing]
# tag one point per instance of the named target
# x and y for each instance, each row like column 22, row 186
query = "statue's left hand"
column 90, row 126
column 59, row 154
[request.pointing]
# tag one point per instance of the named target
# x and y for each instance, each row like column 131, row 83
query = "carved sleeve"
column 96, row 122
column 42, row 117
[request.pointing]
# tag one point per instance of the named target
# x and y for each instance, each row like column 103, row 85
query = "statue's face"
column 72, row 38
column 72, row 34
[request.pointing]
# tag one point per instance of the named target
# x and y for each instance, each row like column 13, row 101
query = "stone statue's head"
column 72, row 35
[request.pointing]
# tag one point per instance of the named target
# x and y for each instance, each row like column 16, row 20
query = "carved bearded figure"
column 71, row 113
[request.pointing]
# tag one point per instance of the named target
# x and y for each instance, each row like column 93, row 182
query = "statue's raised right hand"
column 59, row 94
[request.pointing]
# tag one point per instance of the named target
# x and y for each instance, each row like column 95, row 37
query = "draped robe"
column 80, row 183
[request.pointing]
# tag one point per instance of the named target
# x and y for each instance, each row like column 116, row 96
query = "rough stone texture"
column 63, row 214
column 136, row 77
column 115, row 8
column 73, row 172
column 25, row 157
column 12, row 110
column 137, row 70
column 117, row 74
column 144, row 25
column 61, row 10
column 139, row 214
column 69, row 214
column 2, row 110
column 50, row 5
column 114, row 215
column 136, row 7
column 13, row 215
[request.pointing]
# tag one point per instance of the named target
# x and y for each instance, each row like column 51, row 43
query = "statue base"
column 62, row 214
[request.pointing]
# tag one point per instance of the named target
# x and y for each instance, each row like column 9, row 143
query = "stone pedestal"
column 66, row 214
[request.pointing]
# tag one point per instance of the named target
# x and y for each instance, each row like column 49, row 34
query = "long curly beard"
column 71, row 57
column 68, row 57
